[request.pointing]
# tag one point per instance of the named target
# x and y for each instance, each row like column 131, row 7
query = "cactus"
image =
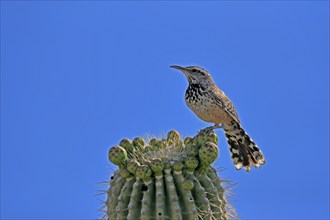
column 167, row 179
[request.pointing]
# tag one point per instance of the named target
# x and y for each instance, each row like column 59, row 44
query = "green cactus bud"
column 173, row 135
column 118, row 155
column 200, row 139
column 138, row 143
column 124, row 172
column 191, row 163
column 192, row 150
column 213, row 138
column 127, row 145
column 154, row 142
column 143, row 172
column 157, row 166
column 208, row 153
column 188, row 184
column 132, row 165
column 177, row 166
column 147, row 149
column 167, row 163
column 167, row 179
column 162, row 144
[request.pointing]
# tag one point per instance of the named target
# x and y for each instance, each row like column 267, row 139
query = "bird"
column 211, row 104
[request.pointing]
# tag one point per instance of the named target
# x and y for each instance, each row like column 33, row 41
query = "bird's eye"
column 194, row 70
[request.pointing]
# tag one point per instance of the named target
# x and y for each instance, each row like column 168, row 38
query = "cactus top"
column 156, row 155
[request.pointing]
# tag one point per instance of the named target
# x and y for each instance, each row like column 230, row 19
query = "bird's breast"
column 204, row 105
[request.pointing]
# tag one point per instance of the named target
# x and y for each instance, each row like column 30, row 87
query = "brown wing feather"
column 225, row 103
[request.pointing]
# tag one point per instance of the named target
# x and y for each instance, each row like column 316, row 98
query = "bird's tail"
column 244, row 152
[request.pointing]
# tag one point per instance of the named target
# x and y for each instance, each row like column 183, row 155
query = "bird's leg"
column 210, row 128
column 216, row 126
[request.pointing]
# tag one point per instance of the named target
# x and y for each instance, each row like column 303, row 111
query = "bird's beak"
column 178, row 67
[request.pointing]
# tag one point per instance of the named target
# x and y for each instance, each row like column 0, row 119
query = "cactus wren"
column 211, row 104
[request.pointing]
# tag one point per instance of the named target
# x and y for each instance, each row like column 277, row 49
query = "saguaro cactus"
column 166, row 179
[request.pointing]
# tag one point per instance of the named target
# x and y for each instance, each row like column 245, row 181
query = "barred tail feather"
column 244, row 152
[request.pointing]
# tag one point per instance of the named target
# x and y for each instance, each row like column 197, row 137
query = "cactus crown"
column 167, row 179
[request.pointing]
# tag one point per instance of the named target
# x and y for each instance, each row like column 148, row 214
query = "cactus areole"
column 166, row 179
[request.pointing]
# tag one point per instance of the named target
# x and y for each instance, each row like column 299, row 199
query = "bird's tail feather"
column 244, row 152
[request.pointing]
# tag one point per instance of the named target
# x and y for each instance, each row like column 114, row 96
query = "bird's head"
column 195, row 75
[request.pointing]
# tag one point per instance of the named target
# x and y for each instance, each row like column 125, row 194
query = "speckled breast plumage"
column 201, row 102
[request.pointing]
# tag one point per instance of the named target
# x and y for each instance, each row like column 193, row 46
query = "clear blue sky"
column 77, row 77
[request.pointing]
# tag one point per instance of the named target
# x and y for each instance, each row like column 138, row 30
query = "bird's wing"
column 226, row 104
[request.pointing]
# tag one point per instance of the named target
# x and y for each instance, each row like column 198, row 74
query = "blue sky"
column 77, row 77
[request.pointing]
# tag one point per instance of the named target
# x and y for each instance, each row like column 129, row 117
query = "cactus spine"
column 166, row 179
